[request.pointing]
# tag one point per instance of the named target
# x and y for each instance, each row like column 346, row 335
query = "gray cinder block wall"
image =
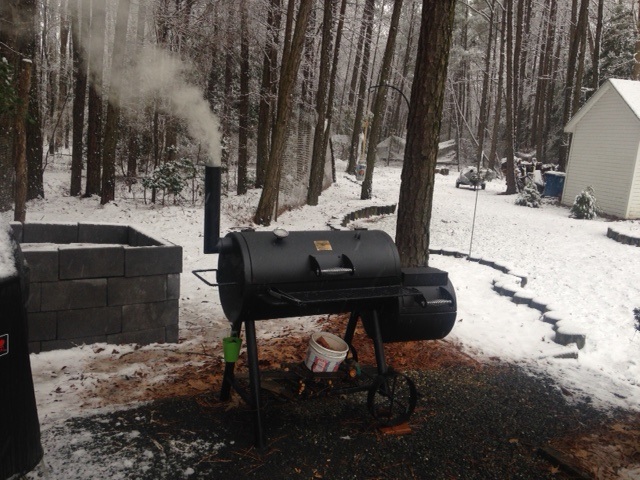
column 99, row 283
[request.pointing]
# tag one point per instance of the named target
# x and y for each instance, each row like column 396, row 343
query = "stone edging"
column 366, row 212
column 622, row 238
column 567, row 334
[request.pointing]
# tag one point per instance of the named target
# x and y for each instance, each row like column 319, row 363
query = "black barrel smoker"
column 270, row 275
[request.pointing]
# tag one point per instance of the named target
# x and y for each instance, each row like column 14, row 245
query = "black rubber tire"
column 392, row 398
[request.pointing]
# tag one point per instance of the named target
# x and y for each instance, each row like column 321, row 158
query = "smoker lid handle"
column 347, row 267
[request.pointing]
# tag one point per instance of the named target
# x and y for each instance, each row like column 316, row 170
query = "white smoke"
column 157, row 75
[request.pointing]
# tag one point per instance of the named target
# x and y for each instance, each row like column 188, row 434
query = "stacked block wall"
column 99, row 283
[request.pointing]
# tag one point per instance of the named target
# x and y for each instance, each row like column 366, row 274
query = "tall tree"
column 486, row 74
column 35, row 148
column 355, row 71
column 111, row 133
column 577, row 35
column 499, row 94
column 243, row 119
column 423, row 130
column 318, row 156
column 133, row 150
column 362, row 89
column 79, row 32
column 332, row 83
column 289, row 71
column 509, row 104
column 94, row 127
column 20, row 139
column 595, row 56
column 380, row 101
column 267, row 89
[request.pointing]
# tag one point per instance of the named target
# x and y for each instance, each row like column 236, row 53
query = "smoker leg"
column 254, row 380
column 351, row 327
column 378, row 345
column 229, row 367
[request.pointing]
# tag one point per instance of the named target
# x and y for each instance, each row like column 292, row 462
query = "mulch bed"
column 473, row 420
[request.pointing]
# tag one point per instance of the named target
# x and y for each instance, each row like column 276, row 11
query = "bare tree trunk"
column 423, row 131
column 94, row 128
column 63, row 78
column 509, row 103
column 267, row 90
column 362, row 90
column 636, row 57
column 499, row 95
column 570, row 79
column 79, row 30
column 380, row 102
column 289, row 72
column 483, row 116
column 595, row 59
column 111, row 133
column 395, row 119
column 20, row 140
column 332, row 87
column 544, row 84
column 133, row 155
column 35, row 147
column 318, row 156
column 353, row 88
column 243, row 120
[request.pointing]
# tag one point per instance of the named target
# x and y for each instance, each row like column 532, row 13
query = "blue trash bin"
column 553, row 185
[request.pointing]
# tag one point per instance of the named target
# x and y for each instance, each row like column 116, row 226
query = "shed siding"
column 605, row 161
column 634, row 197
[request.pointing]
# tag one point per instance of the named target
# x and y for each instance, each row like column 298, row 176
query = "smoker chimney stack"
column 212, row 187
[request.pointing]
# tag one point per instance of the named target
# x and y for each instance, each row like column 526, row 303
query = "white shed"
column 605, row 149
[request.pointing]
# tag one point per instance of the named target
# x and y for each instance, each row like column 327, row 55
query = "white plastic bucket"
column 321, row 359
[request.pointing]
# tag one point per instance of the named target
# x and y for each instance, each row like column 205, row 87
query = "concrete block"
column 42, row 261
column 568, row 337
column 132, row 290
column 42, row 326
column 173, row 286
column 17, row 231
column 172, row 334
column 89, row 322
column 34, row 347
column 140, row 238
column 71, row 343
column 91, row 261
column 34, row 300
column 140, row 261
column 147, row 316
column 37, row 232
column 103, row 233
column 141, row 337
column 522, row 297
column 72, row 294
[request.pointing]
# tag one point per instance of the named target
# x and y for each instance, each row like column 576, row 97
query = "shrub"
column 171, row 177
column 584, row 206
column 529, row 196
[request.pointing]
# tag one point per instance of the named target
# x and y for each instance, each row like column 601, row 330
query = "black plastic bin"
column 20, row 447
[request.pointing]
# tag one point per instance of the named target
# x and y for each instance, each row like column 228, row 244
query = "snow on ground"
column 593, row 280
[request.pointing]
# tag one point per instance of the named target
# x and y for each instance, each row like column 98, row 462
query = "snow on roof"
column 629, row 91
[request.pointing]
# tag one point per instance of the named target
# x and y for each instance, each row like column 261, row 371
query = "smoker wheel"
column 392, row 398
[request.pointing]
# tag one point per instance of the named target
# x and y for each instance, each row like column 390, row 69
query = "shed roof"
column 629, row 91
